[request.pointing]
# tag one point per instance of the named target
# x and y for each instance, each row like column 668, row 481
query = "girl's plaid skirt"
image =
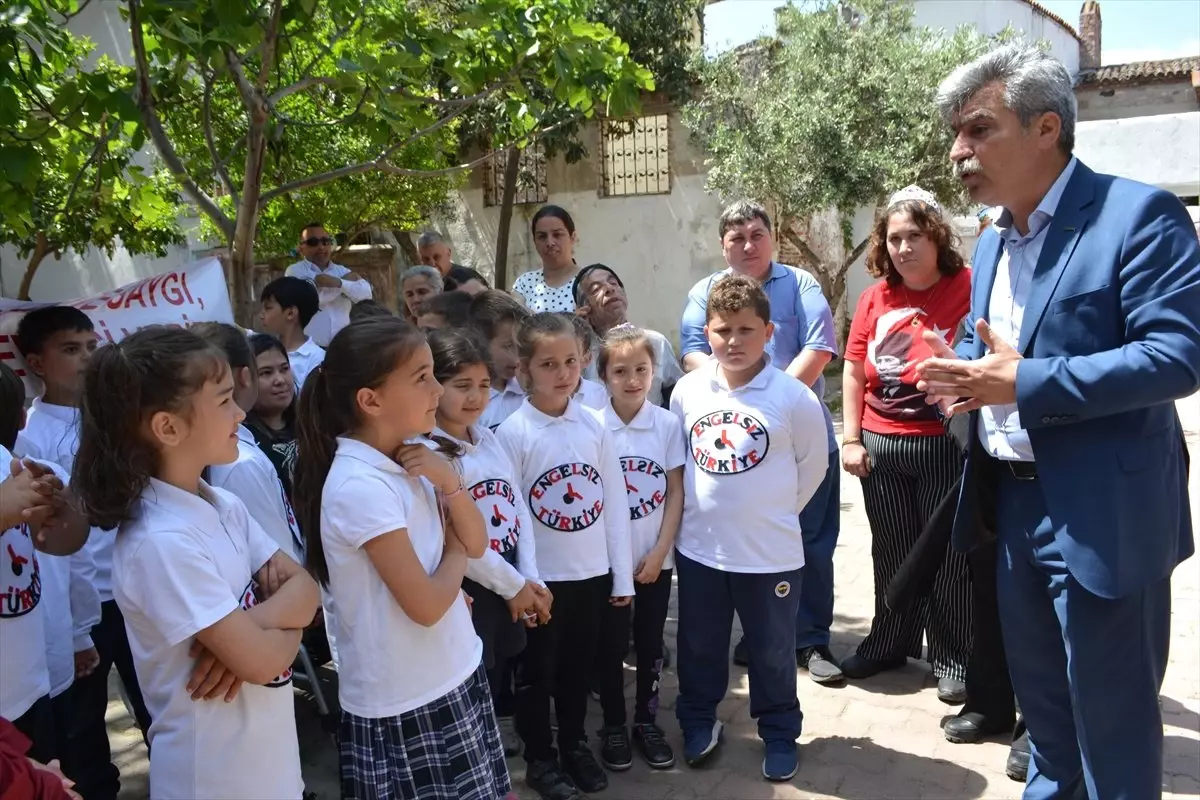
column 447, row 750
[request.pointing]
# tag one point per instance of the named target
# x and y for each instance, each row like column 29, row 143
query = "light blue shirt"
column 799, row 312
column 1000, row 428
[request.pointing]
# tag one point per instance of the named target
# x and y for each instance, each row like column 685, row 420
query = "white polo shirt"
column 502, row 404
column 253, row 480
column 651, row 445
column 388, row 664
column 25, row 677
column 335, row 303
column 304, row 359
column 591, row 394
column 182, row 564
column 570, row 474
column 756, row 456
column 491, row 480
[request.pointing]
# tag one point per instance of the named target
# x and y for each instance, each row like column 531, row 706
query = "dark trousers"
column 909, row 477
column 559, row 656
column 37, row 723
column 1087, row 669
column 98, row 778
column 766, row 604
column 500, row 681
column 989, row 688
column 820, row 524
column 649, row 614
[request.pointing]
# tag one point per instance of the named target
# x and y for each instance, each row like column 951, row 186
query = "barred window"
column 635, row 156
column 531, row 177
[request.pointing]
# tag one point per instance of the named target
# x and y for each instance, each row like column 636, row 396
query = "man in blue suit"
column 1082, row 333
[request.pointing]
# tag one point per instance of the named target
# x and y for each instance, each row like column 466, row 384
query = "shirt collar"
column 201, row 509
column 573, row 413
column 777, row 271
column 1044, row 212
column 642, row 420
column 758, row 382
column 360, row 451
column 67, row 414
column 467, row 446
column 309, row 348
column 245, row 435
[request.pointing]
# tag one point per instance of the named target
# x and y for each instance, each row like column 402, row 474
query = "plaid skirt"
column 448, row 749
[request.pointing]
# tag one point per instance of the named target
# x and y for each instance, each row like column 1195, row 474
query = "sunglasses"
column 313, row 241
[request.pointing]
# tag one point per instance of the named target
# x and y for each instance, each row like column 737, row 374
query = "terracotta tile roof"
column 1169, row 69
column 1047, row 12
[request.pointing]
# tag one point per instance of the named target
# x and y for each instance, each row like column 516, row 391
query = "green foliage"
column 68, row 141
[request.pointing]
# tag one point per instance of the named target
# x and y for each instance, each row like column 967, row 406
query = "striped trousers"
column 909, row 477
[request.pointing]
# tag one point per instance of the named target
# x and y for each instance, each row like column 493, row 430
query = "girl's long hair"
column 455, row 349
column 155, row 369
column 12, row 406
column 360, row 356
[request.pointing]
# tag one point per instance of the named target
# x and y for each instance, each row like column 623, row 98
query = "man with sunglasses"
column 337, row 287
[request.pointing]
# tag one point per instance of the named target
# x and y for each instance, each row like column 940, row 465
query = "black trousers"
column 649, row 614
column 989, row 688
column 559, row 657
column 37, row 723
column 909, row 477
column 98, row 778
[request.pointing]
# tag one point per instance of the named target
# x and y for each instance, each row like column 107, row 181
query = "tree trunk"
column 41, row 249
column 242, row 246
column 512, row 169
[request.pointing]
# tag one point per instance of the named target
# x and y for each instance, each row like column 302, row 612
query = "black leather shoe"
column 970, row 727
column 741, row 654
column 1017, row 766
column 951, row 691
column 857, row 667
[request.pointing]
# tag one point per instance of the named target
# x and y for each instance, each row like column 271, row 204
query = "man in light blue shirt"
column 804, row 342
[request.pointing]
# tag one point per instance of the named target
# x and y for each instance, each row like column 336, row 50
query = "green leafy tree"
column 836, row 112
column 68, row 174
column 276, row 84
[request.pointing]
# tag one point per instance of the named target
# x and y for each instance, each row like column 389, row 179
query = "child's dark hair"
column 155, row 369
column 368, row 308
column 733, row 293
column 289, row 292
column 455, row 349
column 491, row 309
column 458, row 275
column 40, row 324
column 12, row 406
column 621, row 337
column 453, row 307
column 558, row 212
column 540, row 326
column 230, row 340
column 361, row 355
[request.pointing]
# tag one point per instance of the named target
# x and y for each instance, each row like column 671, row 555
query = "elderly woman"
column 897, row 445
column 417, row 285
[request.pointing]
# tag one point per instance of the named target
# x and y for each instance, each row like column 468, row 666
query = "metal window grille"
column 531, row 177
column 636, row 156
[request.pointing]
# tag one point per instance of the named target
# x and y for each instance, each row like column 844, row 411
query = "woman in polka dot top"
column 549, row 288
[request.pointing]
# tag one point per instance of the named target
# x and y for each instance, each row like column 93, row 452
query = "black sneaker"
column 550, row 782
column 583, row 768
column 652, row 746
column 615, row 753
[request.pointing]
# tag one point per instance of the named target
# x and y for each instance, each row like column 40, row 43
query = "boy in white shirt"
column 495, row 315
column 757, row 453
column 288, row 305
column 337, row 287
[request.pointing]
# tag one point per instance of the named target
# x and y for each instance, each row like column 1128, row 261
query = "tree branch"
column 798, row 242
column 218, row 164
column 145, row 104
column 855, row 253
column 299, row 86
column 101, row 145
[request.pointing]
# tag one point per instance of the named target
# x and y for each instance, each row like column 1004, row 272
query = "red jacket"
column 19, row 779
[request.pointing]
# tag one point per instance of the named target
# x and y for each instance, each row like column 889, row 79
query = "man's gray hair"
column 429, row 238
column 740, row 213
column 1034, row 82
column 424, row 271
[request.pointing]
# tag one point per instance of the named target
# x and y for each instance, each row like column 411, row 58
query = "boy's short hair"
column 294, row 293
column 490, row 309
column 369, row 308
column 733, row 293
column 37, row 326
column 454, row 307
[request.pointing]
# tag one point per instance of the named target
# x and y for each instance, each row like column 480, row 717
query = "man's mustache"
column 968, row 166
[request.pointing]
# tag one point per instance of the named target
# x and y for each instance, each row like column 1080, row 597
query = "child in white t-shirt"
column 757, row 446
column 503, row 583
column 649, row 441
column 417, row 719
column 570, row 474
column 215, row 610
column 496, row 316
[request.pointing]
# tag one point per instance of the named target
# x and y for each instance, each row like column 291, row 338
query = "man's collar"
column 777, row 270
column 540, row 419
column 1046, row 209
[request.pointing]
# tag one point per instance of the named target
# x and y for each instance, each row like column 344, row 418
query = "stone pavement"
column 866, row 740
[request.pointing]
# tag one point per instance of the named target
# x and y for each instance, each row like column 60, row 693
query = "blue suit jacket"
column 1110, row 339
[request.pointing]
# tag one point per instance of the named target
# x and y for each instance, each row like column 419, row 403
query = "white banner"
column 195, row 293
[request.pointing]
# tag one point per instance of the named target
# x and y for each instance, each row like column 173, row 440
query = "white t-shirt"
column 304, row 359
column 388, row 664
column 756, row 456
column 182, row 564
column 502, row 404
column 591, row 394
column 651, row 445
column 491, row 480
column 253, row 480
column 24, row 676
column 51, row 434
column 666, row 366
column 570, row 473
column 540, row 297
column 335, row 303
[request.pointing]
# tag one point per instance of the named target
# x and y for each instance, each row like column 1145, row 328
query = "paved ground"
column 876, row 739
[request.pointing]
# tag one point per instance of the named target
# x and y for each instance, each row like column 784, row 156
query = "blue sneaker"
column 781, row 762
column 701, row 742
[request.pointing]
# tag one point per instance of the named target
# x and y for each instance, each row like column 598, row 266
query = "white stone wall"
column 993, row 16
column 1162, row 150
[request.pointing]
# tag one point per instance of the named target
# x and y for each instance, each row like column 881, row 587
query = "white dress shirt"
column 335, row 303
column 1000, row 428
column 304, row 359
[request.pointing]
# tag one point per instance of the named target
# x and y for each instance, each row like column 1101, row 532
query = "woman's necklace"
column 933, row 292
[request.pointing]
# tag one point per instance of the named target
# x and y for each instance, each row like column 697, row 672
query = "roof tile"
column 1137, row 72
